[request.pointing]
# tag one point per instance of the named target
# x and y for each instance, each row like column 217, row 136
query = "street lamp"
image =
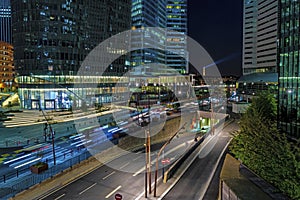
column 144, row 121
column 52, row 135
column 213, row 116
column 161, row 149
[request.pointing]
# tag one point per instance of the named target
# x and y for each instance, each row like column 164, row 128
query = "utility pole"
column 161, row 149
column 52, row 135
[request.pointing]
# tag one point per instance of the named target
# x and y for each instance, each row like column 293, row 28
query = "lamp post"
column 147, row 147
column 143, row 121
column 213, row 116
column 161, row 149
column 52, row 135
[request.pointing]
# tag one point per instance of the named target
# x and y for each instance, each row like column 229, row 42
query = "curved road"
column 196, row 179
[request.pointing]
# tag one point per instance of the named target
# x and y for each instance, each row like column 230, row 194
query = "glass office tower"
column 150, row 44
column 52, row 38
column 5, row 21
column 169, row 15
column 289, row 68
column 176, row 36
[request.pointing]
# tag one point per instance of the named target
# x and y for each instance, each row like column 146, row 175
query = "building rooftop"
column 260, row 77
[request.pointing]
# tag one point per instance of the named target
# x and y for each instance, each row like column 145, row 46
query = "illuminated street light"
column 161, row 149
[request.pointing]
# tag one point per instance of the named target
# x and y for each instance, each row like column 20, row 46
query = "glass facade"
column 5, row 21
column 150, row 44
column 176, row 36
column 289, row 68
column 52, row 92
column 52, row 38
column 165, row 49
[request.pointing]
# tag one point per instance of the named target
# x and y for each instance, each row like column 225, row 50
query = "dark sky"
column 217, row 26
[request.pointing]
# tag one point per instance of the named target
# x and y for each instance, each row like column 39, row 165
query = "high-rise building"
column 7, row 72
column 165, row 48
column 5, row 21
column 289, row 68
column 176, row 45
column 260, row 36
column 51, row 39
column 149, row 43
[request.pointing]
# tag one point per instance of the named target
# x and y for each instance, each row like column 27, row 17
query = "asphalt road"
column 124, row 175
column 196, row 180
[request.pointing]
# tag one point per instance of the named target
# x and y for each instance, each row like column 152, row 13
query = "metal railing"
column 17, row 181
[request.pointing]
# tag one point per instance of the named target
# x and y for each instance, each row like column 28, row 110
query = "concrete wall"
column 240, row 107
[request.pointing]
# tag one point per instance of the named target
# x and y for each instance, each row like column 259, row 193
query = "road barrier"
column 176, row 165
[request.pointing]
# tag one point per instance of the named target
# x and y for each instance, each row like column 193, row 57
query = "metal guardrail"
column 175, row 166
column 20, row 180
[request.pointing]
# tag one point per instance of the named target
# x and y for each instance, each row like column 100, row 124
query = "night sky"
column 217, row 26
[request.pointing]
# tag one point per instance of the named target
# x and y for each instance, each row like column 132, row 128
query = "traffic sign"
column 165, row 161
column 118, row 196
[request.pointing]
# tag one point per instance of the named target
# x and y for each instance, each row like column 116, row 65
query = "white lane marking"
column 186, row 167
column 137, row 158
column 152, row 186
column 107, row 196
column 138, row 197
column 87, row 188
column 59, row 197
column 105, row 177
column 124, row 165
column 214, row 170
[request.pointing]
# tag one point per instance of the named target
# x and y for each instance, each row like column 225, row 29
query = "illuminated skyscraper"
column 5, row 21
column 7, row 72
column 176, row 35
column 289, row 68
column 145, row 14
column 165, row 46
column 52, row 38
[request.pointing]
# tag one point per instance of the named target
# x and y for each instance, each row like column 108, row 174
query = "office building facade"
column 5, row 21
column 166, row 51
column 150, row 43
column 289, row 68
column 176, row 45
column 260, row 36
column 7, row 72
column 51, row 39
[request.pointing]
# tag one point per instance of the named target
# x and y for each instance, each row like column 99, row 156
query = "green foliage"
column 263, row 149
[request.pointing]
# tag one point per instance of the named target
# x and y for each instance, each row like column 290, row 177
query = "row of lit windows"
column 290, row 25
column 292, row 40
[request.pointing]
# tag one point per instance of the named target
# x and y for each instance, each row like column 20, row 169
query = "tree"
column 266, row 151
